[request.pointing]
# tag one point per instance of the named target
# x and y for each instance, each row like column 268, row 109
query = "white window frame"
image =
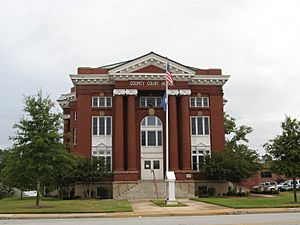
column 105, row 126
column 157, row 128
column 75, row 116
column 203, row 125
column 156, row 138
column 105, row 153
column 198, row 154
column 201, row 100
column 146, row 101
column 75, row 136
column 106, row 105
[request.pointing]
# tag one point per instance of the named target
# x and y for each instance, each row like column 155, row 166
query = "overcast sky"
column 254, row 41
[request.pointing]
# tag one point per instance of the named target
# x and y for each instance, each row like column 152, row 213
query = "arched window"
column 151, row 131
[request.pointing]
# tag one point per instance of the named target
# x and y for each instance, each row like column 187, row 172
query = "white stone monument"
column 170, row 183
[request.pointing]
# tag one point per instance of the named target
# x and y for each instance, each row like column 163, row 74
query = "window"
column 147, row 164
column 151, row 131
column 151, row 138
column 75, row 116
column 150, row 101
column 199, row 102
column 265, row 174
column 101, row 101
column 75, row 136
column 101, row 125
column 156, row 164
column 197, row 160
column 151, row 121
column 200, row 125
column 105, row 153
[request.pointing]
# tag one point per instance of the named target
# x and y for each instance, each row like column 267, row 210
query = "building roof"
column 115, row 65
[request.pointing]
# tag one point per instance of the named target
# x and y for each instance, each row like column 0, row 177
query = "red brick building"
column 114, row 112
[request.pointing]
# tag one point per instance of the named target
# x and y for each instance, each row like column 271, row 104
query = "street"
column 246, row 219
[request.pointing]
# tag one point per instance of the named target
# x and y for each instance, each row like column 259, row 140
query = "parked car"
column 29, row 193
column 266, row 186
column 288, row 185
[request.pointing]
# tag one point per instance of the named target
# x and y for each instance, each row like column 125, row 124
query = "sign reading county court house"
column 146, row 83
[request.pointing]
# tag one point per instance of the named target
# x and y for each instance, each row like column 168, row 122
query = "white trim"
column 112, row 77
column 131, row 92
column 173, row 92
column 119, row 92
column 65, row 99
column 209, row 80
column 185, row 91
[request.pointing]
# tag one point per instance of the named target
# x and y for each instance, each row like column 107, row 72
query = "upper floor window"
column 200, row 125
column 150, row 101
column 101, row 125
column 151, row 121
column 199, row 102
column 101, row 101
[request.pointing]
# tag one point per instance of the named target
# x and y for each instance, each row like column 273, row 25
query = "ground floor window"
column 104, row 153
column 198, row 157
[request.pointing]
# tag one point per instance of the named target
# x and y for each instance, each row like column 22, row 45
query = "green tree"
column 15, row 172
column 90, row 170
column 65, row 173
column 285, row 151
column 38, row 137
column 237, row 162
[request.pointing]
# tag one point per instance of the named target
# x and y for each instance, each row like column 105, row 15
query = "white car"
column 266, row 186
column 288, row 185
column 29, row 193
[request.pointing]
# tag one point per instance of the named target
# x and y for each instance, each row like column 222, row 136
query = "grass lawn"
column 51, row 205
column 284, row 199
column 161, row 203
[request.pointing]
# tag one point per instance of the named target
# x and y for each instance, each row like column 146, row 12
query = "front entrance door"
column 151, row 149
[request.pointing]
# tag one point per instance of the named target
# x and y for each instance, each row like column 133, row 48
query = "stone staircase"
column 147, row 190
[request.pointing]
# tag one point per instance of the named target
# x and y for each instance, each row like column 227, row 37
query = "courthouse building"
column 115, row 112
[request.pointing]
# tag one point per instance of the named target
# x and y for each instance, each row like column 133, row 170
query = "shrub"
column 211, row 191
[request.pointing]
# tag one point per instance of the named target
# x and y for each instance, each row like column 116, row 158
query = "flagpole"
column 170, row 175
column 167, row 124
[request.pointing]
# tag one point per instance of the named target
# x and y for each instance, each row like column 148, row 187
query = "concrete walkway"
column 145, row 208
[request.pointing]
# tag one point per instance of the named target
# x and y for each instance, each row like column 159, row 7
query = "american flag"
column 169, row 76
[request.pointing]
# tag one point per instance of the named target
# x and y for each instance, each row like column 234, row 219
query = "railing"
column 154, row 183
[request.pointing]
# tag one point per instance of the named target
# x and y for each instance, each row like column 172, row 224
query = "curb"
column 148, row 214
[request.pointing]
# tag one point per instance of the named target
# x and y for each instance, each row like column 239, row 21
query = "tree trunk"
column 21, row 194
column 295, row 189
column 90, row 192
column 37, row 199
column 234, row 187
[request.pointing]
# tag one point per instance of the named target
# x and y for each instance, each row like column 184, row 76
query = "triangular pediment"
column 101, row 145
column 202, row 144
column 149, row 69
column 151, row 63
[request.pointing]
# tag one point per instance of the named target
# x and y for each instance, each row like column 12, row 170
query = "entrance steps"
column 146, row 190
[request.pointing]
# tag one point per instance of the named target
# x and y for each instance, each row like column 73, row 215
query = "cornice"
column 65, row 100
column 113, row 77
column 209, row 80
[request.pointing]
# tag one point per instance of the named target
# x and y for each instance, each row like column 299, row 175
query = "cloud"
column 256, row 42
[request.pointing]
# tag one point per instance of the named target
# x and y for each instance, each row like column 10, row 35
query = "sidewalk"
column 145, row 208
